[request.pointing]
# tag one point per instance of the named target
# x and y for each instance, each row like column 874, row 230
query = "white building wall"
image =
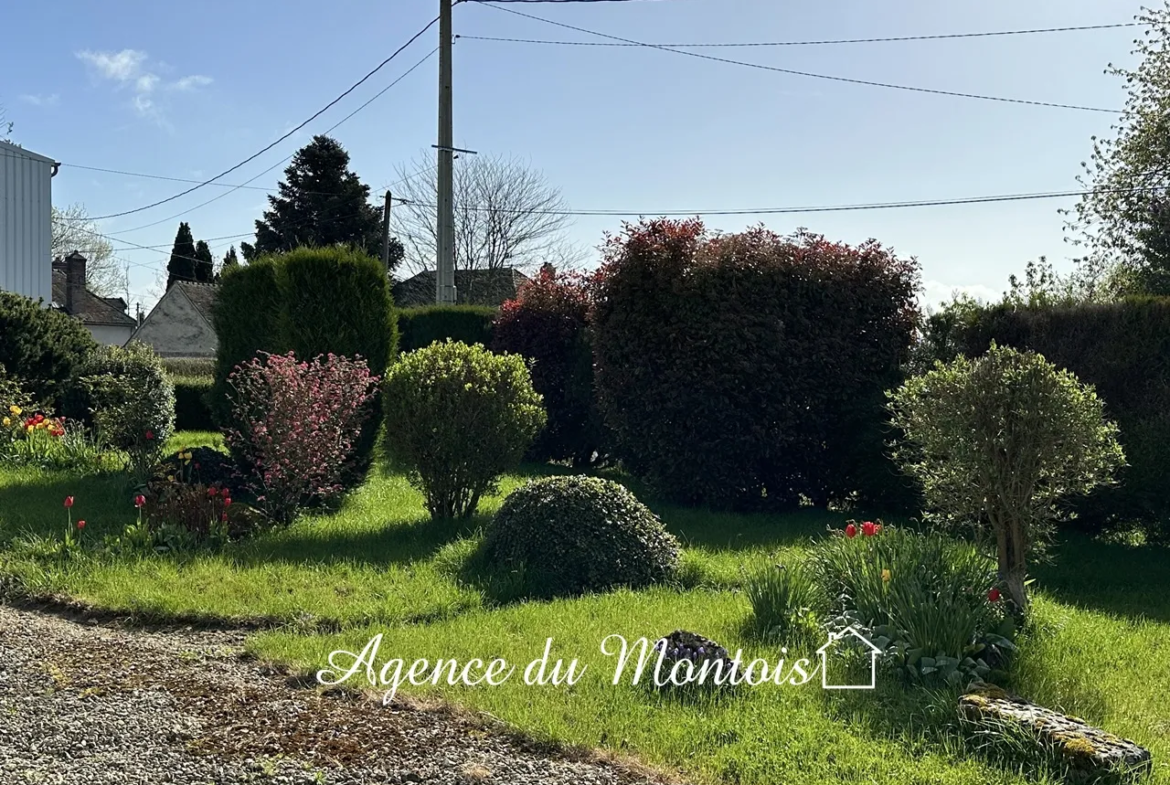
column 25, row 229
column 110, row 335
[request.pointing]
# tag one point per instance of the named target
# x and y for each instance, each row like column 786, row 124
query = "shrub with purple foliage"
column 299, row 423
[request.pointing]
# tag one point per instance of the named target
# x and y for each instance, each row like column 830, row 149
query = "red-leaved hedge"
column 548, row 323
column 744, row 370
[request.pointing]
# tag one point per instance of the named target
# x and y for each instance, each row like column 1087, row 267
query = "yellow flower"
column 886, row 576
column 170, row 478
column 28, row 428
column 7, row 422
column 16, row 410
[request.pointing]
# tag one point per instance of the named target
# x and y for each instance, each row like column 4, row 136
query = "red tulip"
column 68, row 502
column 223, row 518
column 149, row 435
column 81, row 524
column 851, row 531
column 993, row 595
column 868, row 529
column 213, row 491
column 139, row 500
column 227, row 501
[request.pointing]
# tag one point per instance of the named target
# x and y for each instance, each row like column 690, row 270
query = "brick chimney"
column 74, row 279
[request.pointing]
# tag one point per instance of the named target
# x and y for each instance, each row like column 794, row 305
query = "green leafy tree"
column 1122, row 221
column 321, row 203
column 181, row 267
column 205, row 263
column 230, row 259
column 998, row 442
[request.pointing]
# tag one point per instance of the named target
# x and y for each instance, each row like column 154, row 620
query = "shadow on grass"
column 1127, row 580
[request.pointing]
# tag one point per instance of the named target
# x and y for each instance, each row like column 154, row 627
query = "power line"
column 827, row 42
column 808, row 74
column 256, row 155
column 246, row 183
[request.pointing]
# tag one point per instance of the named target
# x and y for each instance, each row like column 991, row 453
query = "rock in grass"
column 1087, row 751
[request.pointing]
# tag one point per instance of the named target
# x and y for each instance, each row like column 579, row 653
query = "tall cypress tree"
column 205, row 266
column 181, row 267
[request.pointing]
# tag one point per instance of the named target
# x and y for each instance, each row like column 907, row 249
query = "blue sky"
column 136, row 86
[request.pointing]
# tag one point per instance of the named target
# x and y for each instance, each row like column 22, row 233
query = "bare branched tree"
column 73, row 231
column 506, row 215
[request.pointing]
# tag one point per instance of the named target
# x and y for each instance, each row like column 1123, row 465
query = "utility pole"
column 445, row 261
column 386, row 235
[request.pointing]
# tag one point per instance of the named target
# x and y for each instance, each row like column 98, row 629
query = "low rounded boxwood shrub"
column 40, row 346
column 458, row 417
column 569, row 535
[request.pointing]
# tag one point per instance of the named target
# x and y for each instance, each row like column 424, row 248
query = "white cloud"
column 130, row 67
column 936, row 293
column 190, row 82
column 41, row 100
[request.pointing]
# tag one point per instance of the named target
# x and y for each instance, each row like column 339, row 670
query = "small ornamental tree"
column 548, row 323
column 298, row 426
column 458, row 417
column 998, row 442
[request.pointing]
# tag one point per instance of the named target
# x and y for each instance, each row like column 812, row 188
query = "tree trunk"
column 1017, row 568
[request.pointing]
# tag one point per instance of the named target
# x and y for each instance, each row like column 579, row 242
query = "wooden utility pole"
column 386, row 234
column 445, row 219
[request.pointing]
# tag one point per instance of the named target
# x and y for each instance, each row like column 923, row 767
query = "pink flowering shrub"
column 298, row 423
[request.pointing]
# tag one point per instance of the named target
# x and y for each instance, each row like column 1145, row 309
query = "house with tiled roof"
column 180, row 323
column 106, row 318
column 472, row 287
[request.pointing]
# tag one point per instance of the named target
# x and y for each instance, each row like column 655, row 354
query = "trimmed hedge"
column 422, row 326
column 1123, row 350
column 548, row 323
column 310, row 301
column 192, row 403
column 40, row 346
column 749, row 370
column 570, row 535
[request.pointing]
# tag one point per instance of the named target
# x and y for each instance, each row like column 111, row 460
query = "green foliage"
column 745, row 370
column 786, row 603
column 571, row 535
column 1118, row 348
column 311, row 301
column 182, row 264
column 458, row 417
column 998, row 442
column 39, row 346
column 321, row 203
column 129, row 400
column 1123, row 217
column 420, row 327
column 246, row 320
column 922, row 598
column 192, row 409
column 189, row 366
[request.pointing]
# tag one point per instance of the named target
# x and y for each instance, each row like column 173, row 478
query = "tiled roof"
column 90, row 308
column 472, row 287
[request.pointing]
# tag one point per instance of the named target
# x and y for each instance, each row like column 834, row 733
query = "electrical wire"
column 281, row 162
column 289, row 133
column 827, row 42
column 790, row 71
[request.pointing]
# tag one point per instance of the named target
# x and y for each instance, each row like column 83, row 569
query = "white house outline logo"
column 834, row 639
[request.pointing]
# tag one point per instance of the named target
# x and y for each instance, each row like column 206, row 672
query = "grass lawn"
column 1101, row 650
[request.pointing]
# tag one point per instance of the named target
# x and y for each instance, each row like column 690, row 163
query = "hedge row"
column 1122, row 349
column 750, row 370
column 193, row 403
column 422, row 326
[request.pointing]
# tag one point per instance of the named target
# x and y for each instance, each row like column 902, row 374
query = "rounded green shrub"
column 458, row 417
column 40, row 346
column 128, row 399
column 569, row 535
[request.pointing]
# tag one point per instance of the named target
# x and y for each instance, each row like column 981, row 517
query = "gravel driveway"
column 82, row 703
